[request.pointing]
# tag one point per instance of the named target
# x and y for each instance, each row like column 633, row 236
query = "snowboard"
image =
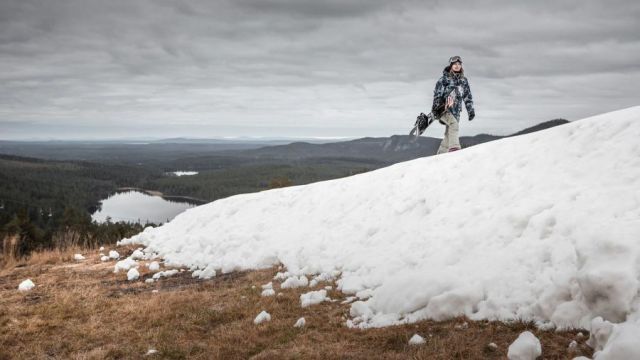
column 422, row 122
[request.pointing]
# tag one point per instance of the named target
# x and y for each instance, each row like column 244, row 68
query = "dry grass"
column 82, row 310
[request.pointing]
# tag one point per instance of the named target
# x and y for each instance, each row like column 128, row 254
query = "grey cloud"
column 266, row 62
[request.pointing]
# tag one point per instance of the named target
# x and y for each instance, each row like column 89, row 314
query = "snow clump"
column 300, row 323
column 154, row 266
column 78, row 257
column 262, row 317
column 104, row 258
column 124, row 265
column 313, row 297
column 525, row 347
column 132, row 274
column 114, row 254
column 295, row 282
column 26, row 285
column 417, row 340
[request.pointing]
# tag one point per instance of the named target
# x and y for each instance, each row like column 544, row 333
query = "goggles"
column 455, row 59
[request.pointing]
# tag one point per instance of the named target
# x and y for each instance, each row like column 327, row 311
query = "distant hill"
column 387, row 149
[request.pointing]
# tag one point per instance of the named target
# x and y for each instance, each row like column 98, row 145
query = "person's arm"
column 468, row 101
column 438, row 98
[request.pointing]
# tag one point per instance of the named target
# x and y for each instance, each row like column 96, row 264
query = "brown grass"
column 82, row 310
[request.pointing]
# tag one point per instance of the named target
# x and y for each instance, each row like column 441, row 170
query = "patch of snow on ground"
column 154, row 266
column 114, row 254
column 78, row 257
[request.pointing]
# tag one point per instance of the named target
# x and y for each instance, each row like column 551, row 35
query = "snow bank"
column 525, row 347
column 540, row 227
column 26, row 285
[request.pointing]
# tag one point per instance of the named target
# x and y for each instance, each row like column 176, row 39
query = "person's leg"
column 453, row 141
column 444, row 145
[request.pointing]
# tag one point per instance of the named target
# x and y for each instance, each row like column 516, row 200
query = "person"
column 451, row 90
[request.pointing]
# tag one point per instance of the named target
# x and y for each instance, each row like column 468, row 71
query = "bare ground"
column 82, row 310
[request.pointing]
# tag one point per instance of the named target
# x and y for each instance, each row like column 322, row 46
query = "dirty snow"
column 536, row 227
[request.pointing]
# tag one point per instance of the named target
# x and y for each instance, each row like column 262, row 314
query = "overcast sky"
column 305, row 68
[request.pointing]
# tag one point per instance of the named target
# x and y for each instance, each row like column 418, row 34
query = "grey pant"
column 450, row 142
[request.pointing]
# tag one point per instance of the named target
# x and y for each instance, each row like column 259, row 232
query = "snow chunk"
column 101, row 248
column 154, row 266
column 104, row 258
column 300, row 323
column 137, row 255
column 26, row 285
column 621, row 340
column 417, row 340
column 78, row 257
column 262, row 317
column 114, row 254
column 295, row 282
column 267, row 286
column 133, row 274
column 124, row 265
column 313, row 297
column 208, row 272
column 151, row 352
column 268, row 292
column 149, row 281
column 525, row 347
column 165, row 273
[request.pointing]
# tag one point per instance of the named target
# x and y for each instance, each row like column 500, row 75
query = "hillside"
column 540, row 227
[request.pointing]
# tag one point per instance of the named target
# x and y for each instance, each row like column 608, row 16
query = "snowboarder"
column 451, row 90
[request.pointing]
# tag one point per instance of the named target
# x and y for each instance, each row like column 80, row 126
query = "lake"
column 136, row 206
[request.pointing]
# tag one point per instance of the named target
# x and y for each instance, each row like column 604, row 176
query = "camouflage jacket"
column 449, row 82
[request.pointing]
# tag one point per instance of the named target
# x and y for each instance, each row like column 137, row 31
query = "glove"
column 472, row 114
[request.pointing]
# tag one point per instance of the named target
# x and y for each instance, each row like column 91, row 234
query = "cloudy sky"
column 305, row 68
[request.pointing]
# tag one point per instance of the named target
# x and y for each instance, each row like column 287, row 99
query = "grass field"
column 82, row 310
